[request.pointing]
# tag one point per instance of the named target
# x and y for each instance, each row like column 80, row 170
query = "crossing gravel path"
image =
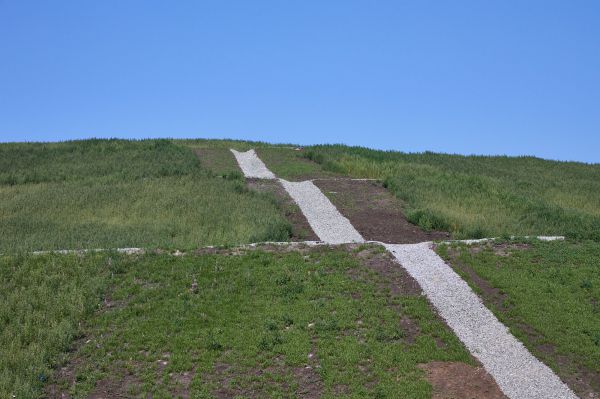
column 324, row 218
column 251, row 165
column 518, row 373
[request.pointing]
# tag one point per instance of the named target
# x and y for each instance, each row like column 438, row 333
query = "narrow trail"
column 517, row 372
column 251, row 165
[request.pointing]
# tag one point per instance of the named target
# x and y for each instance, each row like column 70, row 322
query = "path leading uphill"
column 518, row 373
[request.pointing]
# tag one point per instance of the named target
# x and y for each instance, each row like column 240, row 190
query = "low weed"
column 259, row 315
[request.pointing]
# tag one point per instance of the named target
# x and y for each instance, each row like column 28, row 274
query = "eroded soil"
column 374, row 211
column 459, row 380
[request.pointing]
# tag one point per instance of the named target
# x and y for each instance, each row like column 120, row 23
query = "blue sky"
column 484, row 77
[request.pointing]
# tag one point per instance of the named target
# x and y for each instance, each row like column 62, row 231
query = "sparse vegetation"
column 253, row 323
column 480, row 196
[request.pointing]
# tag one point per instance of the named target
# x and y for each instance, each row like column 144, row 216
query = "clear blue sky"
column 485, row 77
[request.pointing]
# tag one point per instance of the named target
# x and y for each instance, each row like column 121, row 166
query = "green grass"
column 478, row 196
column 290, row 164
column 116, row 193
column 220, row 161
column 553, row 287
column 42, row 301
column 259, row 311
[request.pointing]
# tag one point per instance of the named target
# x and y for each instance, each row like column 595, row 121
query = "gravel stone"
column 518, row 373
column 251, row 165
column 324, row 218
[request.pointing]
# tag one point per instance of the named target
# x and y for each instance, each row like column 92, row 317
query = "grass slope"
column 250, row 326
column 291, row 165
column 478, row 196
column 552, row 287
column 117, row 193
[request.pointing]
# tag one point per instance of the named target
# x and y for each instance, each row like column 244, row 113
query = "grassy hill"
column 117, row 193
column 280, row 322
column 480, row 196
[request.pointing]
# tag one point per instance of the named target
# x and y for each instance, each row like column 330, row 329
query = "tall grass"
column 105, row 160
column 476, row 196
column 42, row 301
column 117, row 193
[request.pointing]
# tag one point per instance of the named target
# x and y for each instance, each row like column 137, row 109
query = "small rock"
column 194, row 288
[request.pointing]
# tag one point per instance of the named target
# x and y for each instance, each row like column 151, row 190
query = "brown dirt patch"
column 375, row 212
column 459, row 380
column 391, row 276
column 116, row 388
column 181, row 383
column 301, row 230
column 225, row 378
column 585, row 382
column 123, row 386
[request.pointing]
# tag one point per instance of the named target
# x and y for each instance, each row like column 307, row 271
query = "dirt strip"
column 375, row 212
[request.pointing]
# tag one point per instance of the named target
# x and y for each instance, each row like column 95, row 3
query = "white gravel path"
column 518, row 373
column 251, row 165
column 324, row 218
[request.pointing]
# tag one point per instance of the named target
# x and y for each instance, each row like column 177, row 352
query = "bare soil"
column 374, row 211
column 459, row 380
column 585, row 382
column 223, row 376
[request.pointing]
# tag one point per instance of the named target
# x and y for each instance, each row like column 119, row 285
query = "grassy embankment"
column 548, row 294
column 116, row 193
column 480, row 196
column 252, row 324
